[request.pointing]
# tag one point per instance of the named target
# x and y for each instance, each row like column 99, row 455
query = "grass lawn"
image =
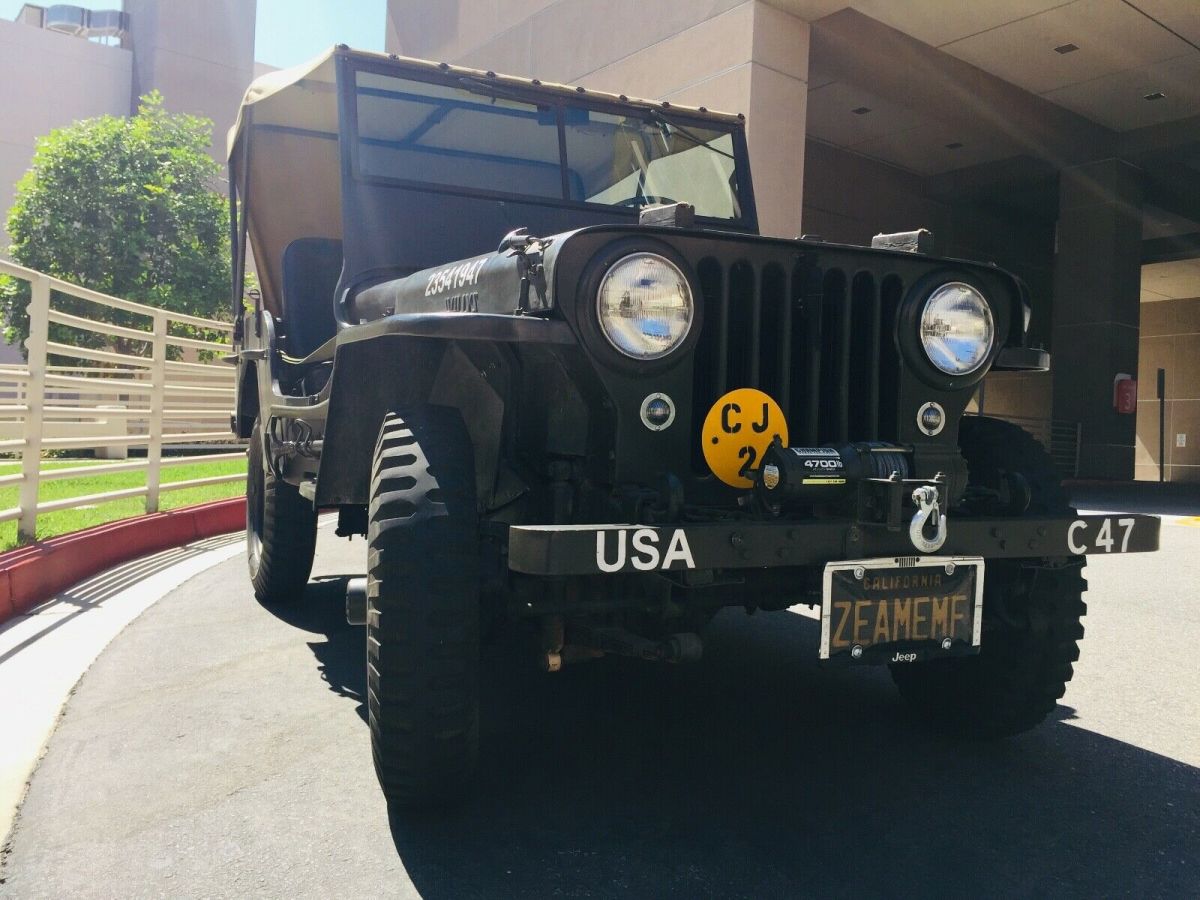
column 67, row 520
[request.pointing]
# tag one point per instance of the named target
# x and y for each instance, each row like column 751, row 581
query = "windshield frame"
column 747, row 221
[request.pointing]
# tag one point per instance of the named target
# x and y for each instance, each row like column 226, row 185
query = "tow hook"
column 356, row 601
column 926, row 499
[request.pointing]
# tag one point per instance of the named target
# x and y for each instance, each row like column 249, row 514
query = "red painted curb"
column 33, row 574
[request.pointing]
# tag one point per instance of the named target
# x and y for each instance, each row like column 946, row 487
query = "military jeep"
column 527, row 339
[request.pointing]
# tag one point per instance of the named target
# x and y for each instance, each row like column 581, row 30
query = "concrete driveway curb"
column 31, row 575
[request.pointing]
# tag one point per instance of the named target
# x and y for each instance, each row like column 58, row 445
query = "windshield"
column 633, row 161
column 464, row 137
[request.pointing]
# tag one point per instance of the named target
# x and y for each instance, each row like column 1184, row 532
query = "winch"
column 877, row 474
column 806, row 475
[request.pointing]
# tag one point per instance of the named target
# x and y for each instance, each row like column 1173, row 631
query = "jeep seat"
column 311, row 268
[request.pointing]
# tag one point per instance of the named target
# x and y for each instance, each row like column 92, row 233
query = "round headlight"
column 957, row 329
column 645, row 306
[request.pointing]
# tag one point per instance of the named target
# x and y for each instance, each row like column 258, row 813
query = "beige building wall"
column 1170, row 339
column 50, row 80
column 199, row 55
column 732, row 55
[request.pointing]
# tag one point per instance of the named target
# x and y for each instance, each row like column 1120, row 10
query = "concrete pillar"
column 769, row 84
column 1097, row 274
column 199, row 55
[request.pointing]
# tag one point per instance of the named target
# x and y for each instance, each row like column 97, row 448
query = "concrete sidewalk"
column 45, row 652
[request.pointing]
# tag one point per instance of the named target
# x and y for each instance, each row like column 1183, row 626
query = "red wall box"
column 31, row 575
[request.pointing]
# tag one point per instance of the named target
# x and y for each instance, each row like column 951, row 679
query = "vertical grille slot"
column 804, row 409
column 863, row 359
column 890, row 294
column 773, row 336
column 741, row 355
column 709, row 375
column 832, row 423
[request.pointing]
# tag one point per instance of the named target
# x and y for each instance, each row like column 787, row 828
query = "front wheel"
column 1031, row 628
column 1032, row 608
column 423, row 608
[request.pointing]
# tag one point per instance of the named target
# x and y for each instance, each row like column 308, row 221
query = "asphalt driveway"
column 219, row 749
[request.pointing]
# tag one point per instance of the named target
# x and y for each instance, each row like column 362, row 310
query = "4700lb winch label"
column 822, row 465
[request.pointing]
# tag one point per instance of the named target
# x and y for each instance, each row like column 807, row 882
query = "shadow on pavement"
column 341, row 657
column 759, row 774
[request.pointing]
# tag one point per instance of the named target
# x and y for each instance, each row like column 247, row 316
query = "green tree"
column 126, row 206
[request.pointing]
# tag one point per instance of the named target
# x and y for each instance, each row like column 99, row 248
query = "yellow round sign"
column 738, row 428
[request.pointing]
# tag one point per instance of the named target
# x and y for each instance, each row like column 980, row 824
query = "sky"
column 287, row 31
column 290, row 31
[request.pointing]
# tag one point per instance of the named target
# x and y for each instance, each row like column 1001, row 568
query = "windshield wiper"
column 663, row 120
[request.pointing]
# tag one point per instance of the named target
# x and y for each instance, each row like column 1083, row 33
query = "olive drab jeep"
column 527, row 339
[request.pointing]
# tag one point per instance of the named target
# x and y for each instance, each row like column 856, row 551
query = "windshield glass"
column 632, row 161
column 436, row 134
column 463, row 137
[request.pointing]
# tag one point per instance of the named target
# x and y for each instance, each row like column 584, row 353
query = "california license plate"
column 902, row 609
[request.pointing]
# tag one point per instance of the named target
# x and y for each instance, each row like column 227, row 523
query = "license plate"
column 902, row 609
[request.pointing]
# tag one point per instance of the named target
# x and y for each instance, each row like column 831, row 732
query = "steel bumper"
column 609, row 549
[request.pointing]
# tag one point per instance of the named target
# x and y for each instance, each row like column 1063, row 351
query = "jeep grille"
column 820, row 340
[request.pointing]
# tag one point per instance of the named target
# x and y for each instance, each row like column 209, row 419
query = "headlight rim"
column 599, row 318
column 991, row 320
column 585, row 312
column 908, row 331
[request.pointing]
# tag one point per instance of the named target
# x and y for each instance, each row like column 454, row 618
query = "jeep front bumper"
column 605, row 549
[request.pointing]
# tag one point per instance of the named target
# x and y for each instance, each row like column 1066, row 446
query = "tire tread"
column 288, row 539
column 1022, row 670
column 423, row 608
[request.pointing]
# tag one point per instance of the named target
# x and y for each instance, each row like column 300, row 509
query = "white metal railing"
column 108, row 399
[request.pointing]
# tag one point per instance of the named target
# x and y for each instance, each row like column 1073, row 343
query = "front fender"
column 410, row 360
